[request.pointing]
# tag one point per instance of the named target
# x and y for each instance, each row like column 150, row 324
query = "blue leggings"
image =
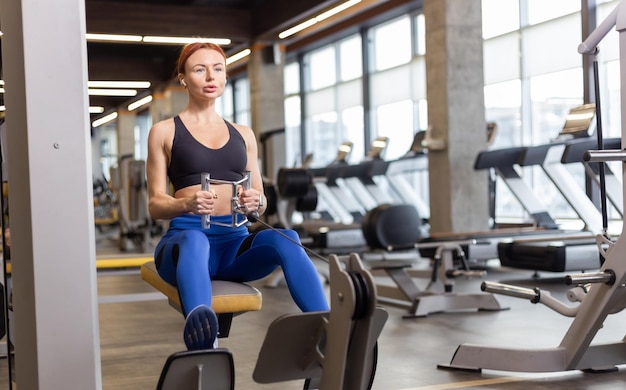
column 189, row 257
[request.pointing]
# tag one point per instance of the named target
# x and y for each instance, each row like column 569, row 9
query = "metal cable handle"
column 238, row 211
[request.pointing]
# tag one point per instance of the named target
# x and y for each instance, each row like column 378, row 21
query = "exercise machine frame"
column 342, row 354
column 606, row 294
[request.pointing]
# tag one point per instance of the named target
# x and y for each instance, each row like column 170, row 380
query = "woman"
column 179, row 150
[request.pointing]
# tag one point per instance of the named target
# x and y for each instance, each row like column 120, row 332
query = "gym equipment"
column 213, row 368
column 414, row 162
column 129, row 185
column 598, row 294
column 376, row 181
column 237, row 211
column 359, row 187
column 348, row 190
column 557, row 250
column 565, row 253
column 392, row 228
column 333, row 177
column 331, row 350
column 329, row 205
column 502, row 162
column 578, row 124
column 574, row 152
column 229, row 298
column 347, row 334
column 358, row 178
column 104, row 204
column 207, row 369
column 331, row 213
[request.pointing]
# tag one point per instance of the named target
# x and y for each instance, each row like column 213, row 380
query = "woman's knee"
column 186, row 246
column 187, row 237
column 278, row 239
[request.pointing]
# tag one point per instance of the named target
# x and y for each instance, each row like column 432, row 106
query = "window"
column 499, row 17
column 392, row 44
column 224, row 105
column 526, row 95
column 397, row 85
column 350, row 58
column 321, row 68
column 333, row 99
column 293, row 114
column 541, row 10
column 242, row 101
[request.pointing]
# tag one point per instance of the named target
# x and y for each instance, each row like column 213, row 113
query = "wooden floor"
column 138, row 331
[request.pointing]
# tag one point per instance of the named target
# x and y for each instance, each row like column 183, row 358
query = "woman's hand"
column 203, row 202
column 250, row 198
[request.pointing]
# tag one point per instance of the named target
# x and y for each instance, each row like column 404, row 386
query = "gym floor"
column 139, row 330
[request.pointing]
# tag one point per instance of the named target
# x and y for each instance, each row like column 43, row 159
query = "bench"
column 229, row 298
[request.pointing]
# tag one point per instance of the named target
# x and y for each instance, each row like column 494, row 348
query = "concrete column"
column 158, row 106
column 125, row 132
column 265, row 72
column 56, row 334
column 168, row 103
column 456, row 114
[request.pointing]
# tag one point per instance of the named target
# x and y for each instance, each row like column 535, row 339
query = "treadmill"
column 346, row 235
column 487, row 245
column 415, row 161
column 483, row 245
column 566, row 253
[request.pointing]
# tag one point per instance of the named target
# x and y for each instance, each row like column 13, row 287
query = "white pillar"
column 52, row 225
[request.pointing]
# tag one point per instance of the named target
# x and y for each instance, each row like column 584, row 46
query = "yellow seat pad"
column 228, row 297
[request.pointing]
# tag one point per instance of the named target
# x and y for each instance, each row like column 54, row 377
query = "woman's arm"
column 160, row 203
column 254, row 196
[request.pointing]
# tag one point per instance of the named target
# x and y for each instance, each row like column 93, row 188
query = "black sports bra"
column 190, row 158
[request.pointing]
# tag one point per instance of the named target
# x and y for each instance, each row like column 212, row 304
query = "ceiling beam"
column 107, row 17
column 275, row 16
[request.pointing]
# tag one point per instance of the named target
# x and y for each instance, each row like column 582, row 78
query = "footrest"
column 228, row 297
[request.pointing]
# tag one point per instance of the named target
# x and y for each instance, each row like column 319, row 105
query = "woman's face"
column 205, row 74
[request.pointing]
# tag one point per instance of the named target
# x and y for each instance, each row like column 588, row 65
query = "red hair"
column 191, row 48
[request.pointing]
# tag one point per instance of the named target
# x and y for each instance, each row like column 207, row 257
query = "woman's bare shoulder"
column 163, row 128
column 244, row 130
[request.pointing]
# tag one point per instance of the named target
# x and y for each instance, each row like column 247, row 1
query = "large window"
column 397, row 83
column 333, row 100
column 533, row 76
column 242, row 101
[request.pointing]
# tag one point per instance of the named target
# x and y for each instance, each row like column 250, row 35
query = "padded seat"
column 228, row 297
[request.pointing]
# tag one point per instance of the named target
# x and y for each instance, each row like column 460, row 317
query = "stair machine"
column 596, row 294
column 329, row 350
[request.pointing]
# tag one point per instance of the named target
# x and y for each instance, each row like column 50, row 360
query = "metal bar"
column 604, row 155
column 512, row 291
